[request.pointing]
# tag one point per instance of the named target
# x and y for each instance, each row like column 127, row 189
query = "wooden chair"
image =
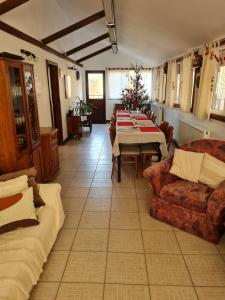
column 153, row 117
column 163, row 126
column 130, row 151
column 152, row 149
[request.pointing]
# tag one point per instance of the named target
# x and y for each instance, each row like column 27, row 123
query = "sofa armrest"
column 216, row 205
column 158, row 175
column 50, row 193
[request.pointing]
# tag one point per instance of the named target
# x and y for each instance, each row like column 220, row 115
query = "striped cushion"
column 17, row 211
column 13, row 186
column 212, row 171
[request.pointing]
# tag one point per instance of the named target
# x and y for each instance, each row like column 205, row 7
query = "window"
column 178, row 85
column 119, row 80
column 218, row 103
column 95, row 86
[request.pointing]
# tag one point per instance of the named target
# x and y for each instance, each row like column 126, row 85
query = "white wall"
column 174, row 115
column 108, row 60
column 9, row 43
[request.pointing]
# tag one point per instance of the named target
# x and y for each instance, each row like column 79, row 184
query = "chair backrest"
column 113, row 120
column 213, row 147
column 163, row 126
column 112, row 134
column 153, row 118
column 169, row 136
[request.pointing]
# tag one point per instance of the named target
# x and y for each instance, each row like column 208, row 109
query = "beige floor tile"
column 82, row 183
column 71, row 219
column 86, row 168
column 167, row 269
column 206, row 270
column 54, row 268
column 191, row 244
column 95, row 220
column 85, row 267
column 91, row 240
column 44, row 291
column 86, row 161
column 122, row 193
column 126, row 268
column 106, row 174
column 65, row 239
column 105, row 162
column 100, row 192
column 124, row 221
column 141, row 183
column 221, row 245
column 126, row 292
column 124, row 205
column 102, row 183
column 104, row 168
column 84, row 174
column 173, row 293
column 73, row 204
column 77, row 192
column 125, row 241
column 80, row 291
column 150, row 223
column 65, row 182
column 97, row 204
column 66, row 175
column 126, row 182
column 210, row 293
column 143, row 205
column 143, row 193
column 160, row 242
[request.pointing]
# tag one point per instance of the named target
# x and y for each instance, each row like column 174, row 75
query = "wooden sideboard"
column 74, row 126
column 49, row 146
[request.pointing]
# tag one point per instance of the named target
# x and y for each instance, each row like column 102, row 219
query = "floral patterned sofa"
column 193, row 207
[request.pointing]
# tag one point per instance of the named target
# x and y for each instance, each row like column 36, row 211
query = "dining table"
column 135, row 127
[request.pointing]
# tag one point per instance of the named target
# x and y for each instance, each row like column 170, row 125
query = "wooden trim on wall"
column 23, row 36
column 217, row 117
column 87, row 44
column 57, row 35
column 8, row 5
column 94, row 53
column 126, row 69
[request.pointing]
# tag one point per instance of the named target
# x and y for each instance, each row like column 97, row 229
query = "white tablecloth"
column 133, row 135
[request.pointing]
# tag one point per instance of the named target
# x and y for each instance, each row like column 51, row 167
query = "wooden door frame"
column 104, row 87
column 56, row 114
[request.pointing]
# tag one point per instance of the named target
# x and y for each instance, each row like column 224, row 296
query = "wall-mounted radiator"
column 158, row 110
column 188, row 132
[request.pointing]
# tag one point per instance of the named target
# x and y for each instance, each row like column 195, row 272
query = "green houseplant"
column 80, row 107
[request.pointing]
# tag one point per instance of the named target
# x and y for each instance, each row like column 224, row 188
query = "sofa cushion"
column 187, row 194
column 187, row 164
column 212, row 171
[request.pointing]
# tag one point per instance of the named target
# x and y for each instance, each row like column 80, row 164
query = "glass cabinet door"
column 32, row 108
column 18, row 107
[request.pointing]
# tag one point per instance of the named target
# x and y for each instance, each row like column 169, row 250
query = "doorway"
column 95, row 92
column 54, row 96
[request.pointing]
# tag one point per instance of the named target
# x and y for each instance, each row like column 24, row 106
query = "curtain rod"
column 126, row 69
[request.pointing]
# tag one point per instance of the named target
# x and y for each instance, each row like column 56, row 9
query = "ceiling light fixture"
column 111, row 24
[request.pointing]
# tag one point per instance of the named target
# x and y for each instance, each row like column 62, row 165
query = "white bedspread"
column 24, row 251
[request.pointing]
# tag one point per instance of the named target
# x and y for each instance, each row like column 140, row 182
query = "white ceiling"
column 150, row 31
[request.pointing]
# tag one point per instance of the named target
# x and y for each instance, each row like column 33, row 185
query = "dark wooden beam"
column 23, row 36
column 73, row 27
column 87, row 44
column 94, row 53
column 10, row 4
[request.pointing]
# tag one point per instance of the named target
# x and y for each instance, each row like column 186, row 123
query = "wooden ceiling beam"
column 74, row 27
column 8, row 5
column 23, row 36
column 94, row 53
column 88, row 44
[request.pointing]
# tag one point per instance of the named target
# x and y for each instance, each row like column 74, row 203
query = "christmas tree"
column 134, row 96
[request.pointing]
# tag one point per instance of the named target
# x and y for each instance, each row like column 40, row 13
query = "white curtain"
column 161, row 84
column 154, row 87
column 186, row 83
column 171, row 83
column 207, row 82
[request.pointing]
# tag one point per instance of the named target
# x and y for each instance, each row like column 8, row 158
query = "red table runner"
column 149, row 129
column 123, row 115
column 141, row 118
column 125, row 124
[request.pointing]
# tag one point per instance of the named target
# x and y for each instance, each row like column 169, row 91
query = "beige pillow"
column 212, row 171
column 187, row 164
column 17, row 211
column 13, row 186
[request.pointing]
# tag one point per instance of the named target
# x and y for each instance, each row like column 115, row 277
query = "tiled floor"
column 111, row 249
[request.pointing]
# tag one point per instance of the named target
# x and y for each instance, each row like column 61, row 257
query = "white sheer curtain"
column 147, row 81
column 186, row 82
column 207, row 82
column 171, row 83
column 161, row 84
column 117, row 81
column 154, row 77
